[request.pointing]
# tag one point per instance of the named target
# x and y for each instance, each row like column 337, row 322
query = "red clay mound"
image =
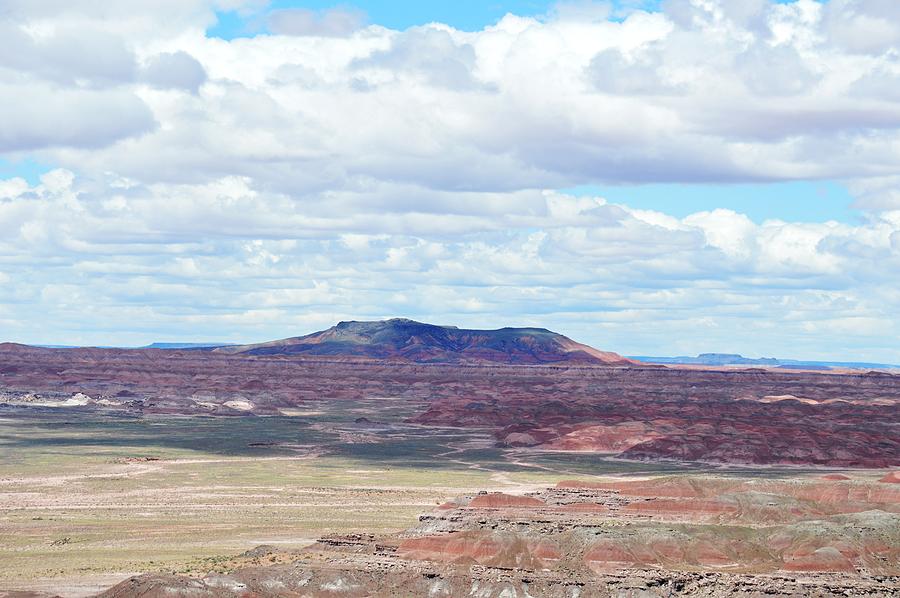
column 545, row 550
column 608, row 554
column 834, row 477
column 498, row 500
column 503, row 550
column 605, row 439
column 827, row 558
column 707, row 553
column 449, row 549
column 891, row 478
column 612, row 554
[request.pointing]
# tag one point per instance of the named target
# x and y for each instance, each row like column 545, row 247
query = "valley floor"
column 88, row 499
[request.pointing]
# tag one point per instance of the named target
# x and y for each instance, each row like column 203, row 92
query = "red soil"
column 498, row 500
column 497, row 550
column 674, row 488
column 451, row 548
column 827, row 558
column 608, row 554
column 689, row 508
column 604, row 439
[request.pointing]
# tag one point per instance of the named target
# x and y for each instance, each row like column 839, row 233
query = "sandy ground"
column 75, row 586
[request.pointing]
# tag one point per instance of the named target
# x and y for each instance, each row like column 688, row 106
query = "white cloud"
column 429, row 54
column 39, row 116
column 877, row 193
column 67, row 55
column 776, row 71
column 734, row 234
column 611, row 72
column 864, row 26
column 175, row 70
column 706, row 91
column 335, row 22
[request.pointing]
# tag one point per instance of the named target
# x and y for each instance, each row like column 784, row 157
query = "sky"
column 654, row 178
column 465, row 15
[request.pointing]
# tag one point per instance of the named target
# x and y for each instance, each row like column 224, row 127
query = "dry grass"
column 78, row 500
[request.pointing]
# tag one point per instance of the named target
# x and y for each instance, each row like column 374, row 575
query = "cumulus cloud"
column 775, row 71
column 864, row 26
column 882, row 83
column 65, row 85
column 877, row 193
column 429, row 53
column 701, row 92
column 145, row 20
column 611, row 72
column 175, row 70
column 69, row 56
column 334, row 22
column 36, row 117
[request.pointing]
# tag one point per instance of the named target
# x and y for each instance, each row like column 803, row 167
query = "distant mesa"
column 735, row 359
column 406, row 340
column 162, row 346
column 171, row 346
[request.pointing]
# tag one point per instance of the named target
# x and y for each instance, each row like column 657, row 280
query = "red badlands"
column 534, row 389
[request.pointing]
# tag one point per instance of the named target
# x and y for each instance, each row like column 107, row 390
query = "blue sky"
column 467, row 15
column 26, row 168
column 798, row 201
